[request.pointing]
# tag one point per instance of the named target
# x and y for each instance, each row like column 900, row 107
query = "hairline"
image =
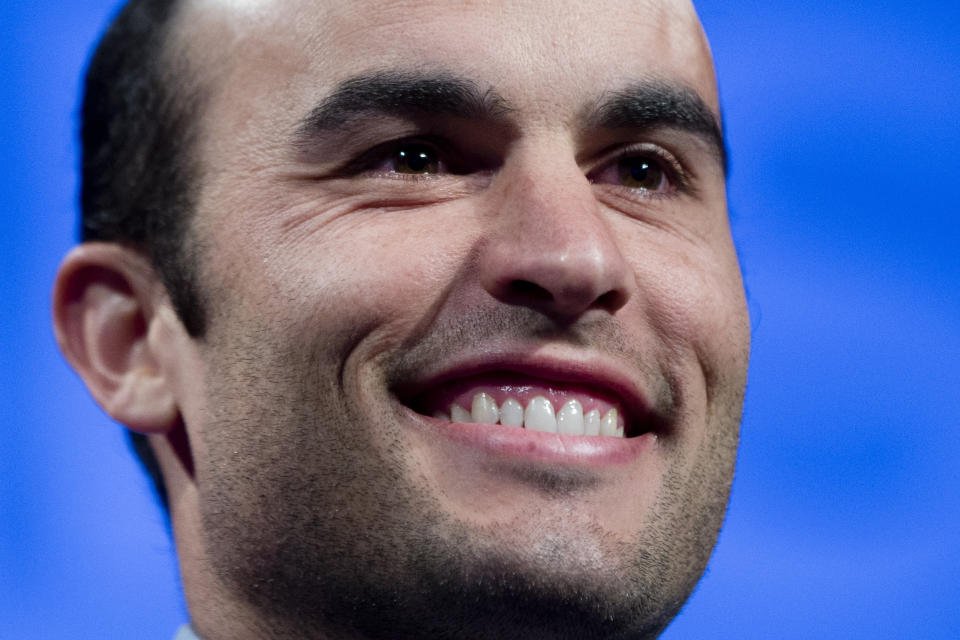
column 172, row 88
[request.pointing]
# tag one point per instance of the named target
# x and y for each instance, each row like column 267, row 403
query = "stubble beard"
column 322, row 532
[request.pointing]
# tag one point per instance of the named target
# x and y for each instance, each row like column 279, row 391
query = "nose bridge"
column 549, row 245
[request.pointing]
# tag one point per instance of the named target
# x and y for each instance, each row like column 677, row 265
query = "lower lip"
column 540, row 446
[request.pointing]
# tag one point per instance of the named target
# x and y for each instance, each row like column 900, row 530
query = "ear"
column 105, row 304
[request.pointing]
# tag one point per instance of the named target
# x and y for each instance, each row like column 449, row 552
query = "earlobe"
column 104, row 307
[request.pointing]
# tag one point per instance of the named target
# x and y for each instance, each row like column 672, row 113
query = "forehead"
column 545, row 55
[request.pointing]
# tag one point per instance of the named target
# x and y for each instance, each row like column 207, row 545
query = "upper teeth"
column 539, row 415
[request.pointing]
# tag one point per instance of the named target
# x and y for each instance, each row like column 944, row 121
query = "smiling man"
column 426, row 315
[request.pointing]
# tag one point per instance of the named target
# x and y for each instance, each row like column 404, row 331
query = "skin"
column 307, row 500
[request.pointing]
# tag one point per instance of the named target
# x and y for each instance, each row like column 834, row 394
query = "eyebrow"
column 410, row 93
column 655, row 103
column 401, row 94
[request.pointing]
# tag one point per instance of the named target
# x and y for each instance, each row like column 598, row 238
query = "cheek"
column 349, row 269
column 694, row 299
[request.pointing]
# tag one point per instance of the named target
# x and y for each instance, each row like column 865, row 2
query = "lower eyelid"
column 404, row 177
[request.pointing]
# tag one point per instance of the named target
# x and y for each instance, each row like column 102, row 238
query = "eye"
column 652, row 171
column 415, row 158
column 425, row 157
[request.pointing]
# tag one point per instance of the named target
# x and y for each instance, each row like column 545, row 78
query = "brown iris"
column 416, row 159
column 641, row 173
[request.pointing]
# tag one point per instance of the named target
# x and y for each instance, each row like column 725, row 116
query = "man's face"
column 405, row 204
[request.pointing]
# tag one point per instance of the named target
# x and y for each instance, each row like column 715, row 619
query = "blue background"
column 845, row 515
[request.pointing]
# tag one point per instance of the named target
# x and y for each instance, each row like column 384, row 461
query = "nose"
column 551, row 248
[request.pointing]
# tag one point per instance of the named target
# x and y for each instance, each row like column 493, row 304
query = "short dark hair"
column 138, row 175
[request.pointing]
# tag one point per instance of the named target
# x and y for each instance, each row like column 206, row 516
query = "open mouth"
column 525, row 402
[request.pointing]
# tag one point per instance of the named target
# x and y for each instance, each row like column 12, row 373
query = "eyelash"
column 371, row 162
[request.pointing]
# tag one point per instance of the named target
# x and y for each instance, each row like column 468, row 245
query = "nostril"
column 526, row 290
column 611, row 301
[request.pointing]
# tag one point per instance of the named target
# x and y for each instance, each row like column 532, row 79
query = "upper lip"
column 589, row 370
